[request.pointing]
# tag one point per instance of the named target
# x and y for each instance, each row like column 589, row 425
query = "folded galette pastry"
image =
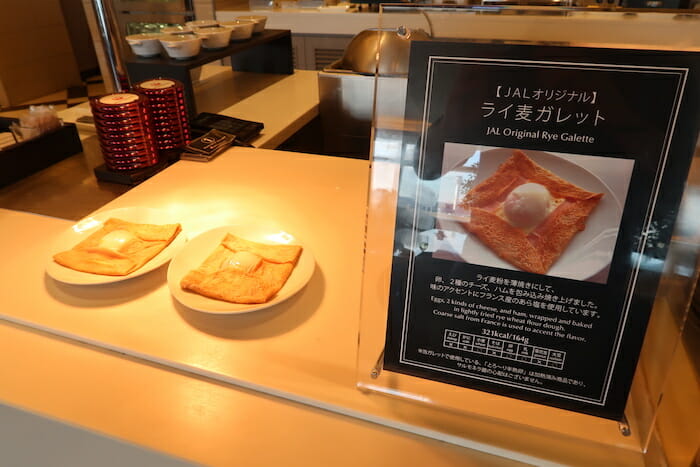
column 526, row 214
column 242, row 271
column 118, row 248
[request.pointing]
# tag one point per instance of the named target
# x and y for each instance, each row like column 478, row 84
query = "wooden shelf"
column 267, row 52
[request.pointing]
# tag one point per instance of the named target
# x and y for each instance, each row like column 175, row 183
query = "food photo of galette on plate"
column 115, row 245
column 237, row 269
column 532, row 211
column 526, row 214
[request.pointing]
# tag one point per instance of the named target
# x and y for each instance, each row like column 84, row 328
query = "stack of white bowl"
column 240, row 29
column 145, row 45
column 183, row 42
column 181, row 46
column 213, row 37
column 259, row 22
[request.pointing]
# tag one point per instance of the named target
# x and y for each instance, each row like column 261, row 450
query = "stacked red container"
column 166, row 99
column 123, row 125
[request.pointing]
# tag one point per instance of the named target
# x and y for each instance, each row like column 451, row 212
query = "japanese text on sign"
column 550, row 106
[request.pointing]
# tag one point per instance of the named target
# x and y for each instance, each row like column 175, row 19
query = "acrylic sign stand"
column 485, row 417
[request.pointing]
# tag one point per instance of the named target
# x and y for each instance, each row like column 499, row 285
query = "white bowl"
column 259, row 22
column 203, row 23
column 177, row 29
column 145, row 45
column 213, row 38
column 181, row 47
column 240, row 29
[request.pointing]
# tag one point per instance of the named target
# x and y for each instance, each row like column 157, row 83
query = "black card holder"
column 244, row 131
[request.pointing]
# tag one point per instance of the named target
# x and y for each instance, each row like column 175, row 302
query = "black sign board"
column 535, row 215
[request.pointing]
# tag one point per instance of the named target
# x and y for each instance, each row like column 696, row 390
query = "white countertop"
column 582, row 28
column 283, row 103
column 311, row 21
column 191, row 374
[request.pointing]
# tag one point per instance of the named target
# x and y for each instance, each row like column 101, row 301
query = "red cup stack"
column 124, row 128
column 166, row 98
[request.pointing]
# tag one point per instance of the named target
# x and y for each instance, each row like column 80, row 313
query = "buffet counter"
column 274, row 385
column 248, row 96
column 85, row 406
column 613, row 28
column 69, row 189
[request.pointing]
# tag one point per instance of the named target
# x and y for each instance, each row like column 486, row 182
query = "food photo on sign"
column 534, row 211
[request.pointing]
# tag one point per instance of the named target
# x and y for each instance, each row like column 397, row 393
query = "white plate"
column 589, row 252
column 80, row 231
column 200, row 247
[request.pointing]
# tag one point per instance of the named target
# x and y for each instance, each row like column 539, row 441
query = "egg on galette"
column 118, row 248
column 243, row 271
column 526, row 214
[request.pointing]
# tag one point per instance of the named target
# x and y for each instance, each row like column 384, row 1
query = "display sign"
column 535, row 214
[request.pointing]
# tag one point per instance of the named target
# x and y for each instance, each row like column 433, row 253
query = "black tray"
column 27, row 157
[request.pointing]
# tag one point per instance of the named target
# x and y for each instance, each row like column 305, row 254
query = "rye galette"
column 118, row 248
column 243, row 271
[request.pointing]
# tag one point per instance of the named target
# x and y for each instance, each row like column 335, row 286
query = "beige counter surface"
column 151, row 416
column 206, row 373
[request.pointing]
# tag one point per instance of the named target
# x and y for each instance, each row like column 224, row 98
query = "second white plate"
column 200, row 247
